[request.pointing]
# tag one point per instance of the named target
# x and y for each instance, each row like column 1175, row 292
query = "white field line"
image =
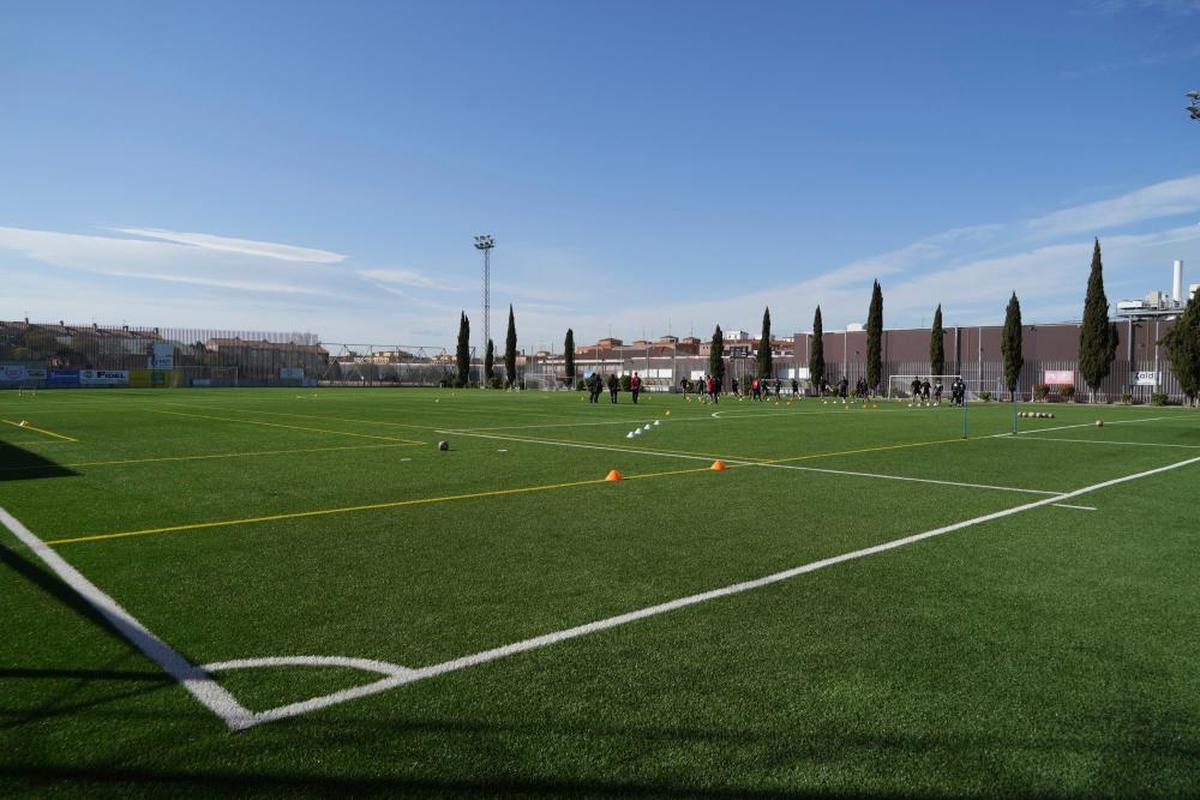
column 1076, row 508
column 743, row 462
column 198, row 682
column 1104, row 441
column 674, row 420
column 365, row 664
column 545, row 640
column 1080, row 425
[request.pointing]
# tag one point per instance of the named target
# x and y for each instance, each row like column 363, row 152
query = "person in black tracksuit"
column 614, row 385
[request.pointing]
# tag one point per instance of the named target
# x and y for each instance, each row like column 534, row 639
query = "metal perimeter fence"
column 62, row 355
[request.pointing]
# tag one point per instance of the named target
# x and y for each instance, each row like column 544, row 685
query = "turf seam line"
column 194, row 679
column 485, row 656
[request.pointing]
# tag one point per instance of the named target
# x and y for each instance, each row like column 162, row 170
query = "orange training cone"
column 614, row 475
column 718, row 466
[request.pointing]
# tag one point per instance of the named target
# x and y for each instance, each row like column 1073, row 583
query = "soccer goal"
column 901, row 387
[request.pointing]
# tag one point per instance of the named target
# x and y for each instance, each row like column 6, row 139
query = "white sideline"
column 316, row 703
column 1079, row 425
column 1106, row 441
column 742, row 462
column 198, row 682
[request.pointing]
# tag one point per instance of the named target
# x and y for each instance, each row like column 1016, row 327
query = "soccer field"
column 308, row 596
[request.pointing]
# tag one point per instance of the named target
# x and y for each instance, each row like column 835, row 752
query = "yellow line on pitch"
column 372, row 507
column 281, row 425
column 39, row 430
column 726, row 456
column 246, row 454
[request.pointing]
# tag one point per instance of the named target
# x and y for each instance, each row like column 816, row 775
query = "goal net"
column 911, row 387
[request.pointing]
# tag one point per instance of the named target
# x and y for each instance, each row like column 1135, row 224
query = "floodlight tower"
column 1194, row 108
column 485, row 243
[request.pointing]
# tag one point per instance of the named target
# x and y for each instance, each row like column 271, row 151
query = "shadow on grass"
column 210, row 783
column 18, row 464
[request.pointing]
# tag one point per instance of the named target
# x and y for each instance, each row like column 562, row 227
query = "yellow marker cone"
column 614, row 475
column 718, row 466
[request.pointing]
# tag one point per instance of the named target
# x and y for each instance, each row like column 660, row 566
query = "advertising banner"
column 162, row 356
column 13, row 373
column 154, row 378
column 1145, row 379
column 63, row 377
column 104, row 377
column 291, row 373
column 1059, row 377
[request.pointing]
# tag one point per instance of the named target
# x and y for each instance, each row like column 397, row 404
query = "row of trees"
column 462, row 353
column 1098, row 341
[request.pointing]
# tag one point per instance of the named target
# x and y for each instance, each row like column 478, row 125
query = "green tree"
column 510, row 350
column 875, row 338
column 1183, row 348
column 489, row 362
column 1097, row 336
column 937, row 344
column 764, row 346
column 816, row 353
column 569, row 356
column 716, row 356
column 462, row 354
column 1010, row 345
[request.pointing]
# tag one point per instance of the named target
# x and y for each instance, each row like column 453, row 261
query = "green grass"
column 1053, row 652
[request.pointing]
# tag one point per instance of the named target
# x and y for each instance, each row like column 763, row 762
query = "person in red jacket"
column 714, row 390
column 635, row 387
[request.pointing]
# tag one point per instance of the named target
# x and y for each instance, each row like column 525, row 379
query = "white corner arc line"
column 365, row 664
column 198, row 682
column 548, row 639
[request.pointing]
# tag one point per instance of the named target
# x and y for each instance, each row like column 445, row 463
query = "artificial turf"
column 1052, row 652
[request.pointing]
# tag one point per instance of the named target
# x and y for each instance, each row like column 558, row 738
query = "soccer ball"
column 1099, row 423
column 443, row 445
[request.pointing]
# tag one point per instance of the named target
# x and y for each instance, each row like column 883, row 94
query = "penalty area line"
column 545, row 640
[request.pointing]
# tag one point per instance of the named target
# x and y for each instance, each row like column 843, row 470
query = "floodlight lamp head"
column 485, row 242
column 1193, row 95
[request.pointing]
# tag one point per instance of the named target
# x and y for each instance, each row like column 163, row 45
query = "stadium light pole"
column 485, row 243
column 1193, row 108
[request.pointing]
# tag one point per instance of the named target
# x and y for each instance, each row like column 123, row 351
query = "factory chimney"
column 1177, row 286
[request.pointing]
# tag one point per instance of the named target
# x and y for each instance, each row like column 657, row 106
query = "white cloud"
column 408, row 277
column 249, row 247
column 1166, row 199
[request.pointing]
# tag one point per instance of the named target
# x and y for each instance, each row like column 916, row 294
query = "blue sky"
column 323, row 166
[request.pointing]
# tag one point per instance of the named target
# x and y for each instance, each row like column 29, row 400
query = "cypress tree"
column 875, row 338
column 1183, row 348
column 462, row 354
column 937, row 344
column 489, row 362
column 510, row 350
column 1010, row 345
column 1097, row 336
column 716, row 356
column 764, row 346
column 816, row 353
column 569, row 357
